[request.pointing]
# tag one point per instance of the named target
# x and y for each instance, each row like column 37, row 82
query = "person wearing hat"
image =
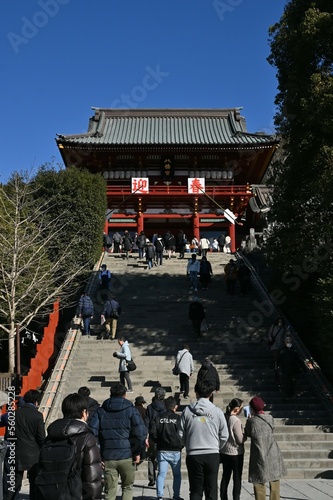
column 3, row 445
column 266, row 462
column 154, row 409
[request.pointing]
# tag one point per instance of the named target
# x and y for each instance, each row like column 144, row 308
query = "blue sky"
column 60, row 58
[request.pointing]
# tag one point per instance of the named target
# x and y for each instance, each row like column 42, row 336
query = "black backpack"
column 58, row 476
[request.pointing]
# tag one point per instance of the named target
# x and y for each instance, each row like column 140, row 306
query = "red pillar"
column 232, row 234
column 140, row 223
column 196, row 226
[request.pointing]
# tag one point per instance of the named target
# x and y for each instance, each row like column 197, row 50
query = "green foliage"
column 51, row 230
column 80, row 203
column 300, row 222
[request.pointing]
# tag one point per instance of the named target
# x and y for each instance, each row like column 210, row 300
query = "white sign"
column 140, row 185
column 229, row 215
column 196, row 185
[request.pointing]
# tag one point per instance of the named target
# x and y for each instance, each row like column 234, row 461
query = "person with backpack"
column 150, row 255
column 70, row 465
column 141, row 243
column 159, row 246
column 86, row 312
column 127, row 243
column 116, row 239
column 208, row 372
column 122, row 436
column 110, row 313
column 154, row 409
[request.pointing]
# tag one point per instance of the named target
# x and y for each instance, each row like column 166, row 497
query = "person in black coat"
column 196, row 314
column 122, row 437
column 29, row 434
column 290, row 366
column 127, row 243
column 208, row 372
column 74, row 425
column 164, row 432
column 92, row 404
column 154, row 409
column 205, row 272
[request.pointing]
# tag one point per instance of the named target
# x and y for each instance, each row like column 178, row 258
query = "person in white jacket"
column 184, row 361
column 204, row 433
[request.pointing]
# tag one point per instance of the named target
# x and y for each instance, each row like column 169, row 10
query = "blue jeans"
column 194, row 279
column 86, row 323
column 159, row 258
column 164, row 459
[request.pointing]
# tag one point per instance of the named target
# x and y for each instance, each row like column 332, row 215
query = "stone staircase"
column 155, row 322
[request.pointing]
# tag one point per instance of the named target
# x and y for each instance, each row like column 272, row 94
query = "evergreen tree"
column 300, row 229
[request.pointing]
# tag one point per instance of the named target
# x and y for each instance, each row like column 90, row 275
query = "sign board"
column 229, row 216
column 196, row 185
column 140, row 185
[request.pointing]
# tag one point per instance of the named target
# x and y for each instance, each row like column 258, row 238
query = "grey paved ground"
column 312, row 489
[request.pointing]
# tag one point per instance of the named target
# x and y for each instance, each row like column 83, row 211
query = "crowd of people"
column 93, row 446
column 166, row 246
column 107, row 442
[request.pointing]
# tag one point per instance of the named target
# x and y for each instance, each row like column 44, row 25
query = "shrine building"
column 172, row 169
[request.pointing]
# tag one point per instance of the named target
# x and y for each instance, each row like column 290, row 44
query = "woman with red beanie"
column 266, row 462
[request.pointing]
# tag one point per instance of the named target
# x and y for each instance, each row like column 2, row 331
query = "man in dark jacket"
column 85, row 310
column 29, row 434
column 88, row 462
column 122, row 435
column 164, row 432
column 290, row 366
column 127, row 243
column 209, row 372
column 196, row 314
column 154, row 409
column 111, row 312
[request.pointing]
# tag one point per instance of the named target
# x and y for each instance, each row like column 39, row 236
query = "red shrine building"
column 172, row 169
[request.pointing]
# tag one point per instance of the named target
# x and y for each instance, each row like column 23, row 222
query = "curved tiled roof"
column 166, row 127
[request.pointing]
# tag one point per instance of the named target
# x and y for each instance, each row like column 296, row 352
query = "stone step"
column 154, row 319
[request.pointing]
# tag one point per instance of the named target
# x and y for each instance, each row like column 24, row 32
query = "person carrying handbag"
column 184, row 360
